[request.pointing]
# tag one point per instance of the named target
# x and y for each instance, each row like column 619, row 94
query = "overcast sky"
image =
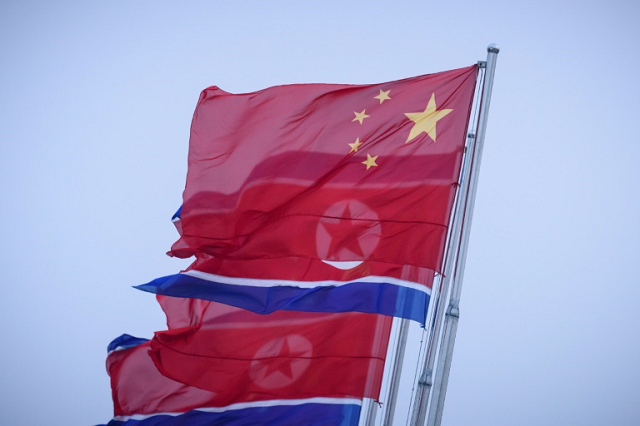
column 96, row 101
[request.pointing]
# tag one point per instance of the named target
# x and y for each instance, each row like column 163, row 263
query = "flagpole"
column 426, row 377
column 397, row 372
column 441, row 286
column 453, row 310
column 370, row 413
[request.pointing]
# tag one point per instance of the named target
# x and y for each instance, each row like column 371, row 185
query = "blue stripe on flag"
column 361, row 296
column 125, row 341
column 176, row 215
column 311, row 414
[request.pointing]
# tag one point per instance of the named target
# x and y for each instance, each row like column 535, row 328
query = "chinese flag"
column 327, row 172
column 243, row 356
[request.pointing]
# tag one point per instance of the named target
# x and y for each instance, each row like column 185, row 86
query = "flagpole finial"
column 493, row 48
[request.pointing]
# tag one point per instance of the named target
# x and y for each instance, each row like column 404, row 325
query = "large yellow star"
column 354, row 146
column 370, row 161
column 426, row 120
column 383, row 96
column 360, row 116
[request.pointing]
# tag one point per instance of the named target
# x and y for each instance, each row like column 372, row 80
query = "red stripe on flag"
column 243, row 356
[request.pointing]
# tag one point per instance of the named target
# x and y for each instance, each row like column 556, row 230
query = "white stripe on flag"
column 254, row 404
column 253, row 282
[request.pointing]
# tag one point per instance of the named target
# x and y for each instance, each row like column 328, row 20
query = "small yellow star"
column 360, row 116
column 426, row 120
column 370, row 161
column 354, row 146
column 383, row 96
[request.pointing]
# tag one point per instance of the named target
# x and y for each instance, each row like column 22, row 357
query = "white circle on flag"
column 348, row 232
column 281, row 361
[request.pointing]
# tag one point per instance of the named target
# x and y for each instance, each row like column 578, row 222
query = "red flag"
column 138, row 388
column 327, row 172
column 243, row 356
column 143, row 396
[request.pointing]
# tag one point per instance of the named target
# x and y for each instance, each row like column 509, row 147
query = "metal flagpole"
column 401, row 326
column 441, row 293
column 397, row 371
column 453, row 311
column 426, row 378
column 370, row 413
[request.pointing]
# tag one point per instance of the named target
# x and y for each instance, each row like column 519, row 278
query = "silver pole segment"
column 426, row 378
column 441, row 294
column 372, row 411
column 452, row 315
column 425, row 383
column 397, row 372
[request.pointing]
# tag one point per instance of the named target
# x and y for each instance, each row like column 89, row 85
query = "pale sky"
column 96, row 102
